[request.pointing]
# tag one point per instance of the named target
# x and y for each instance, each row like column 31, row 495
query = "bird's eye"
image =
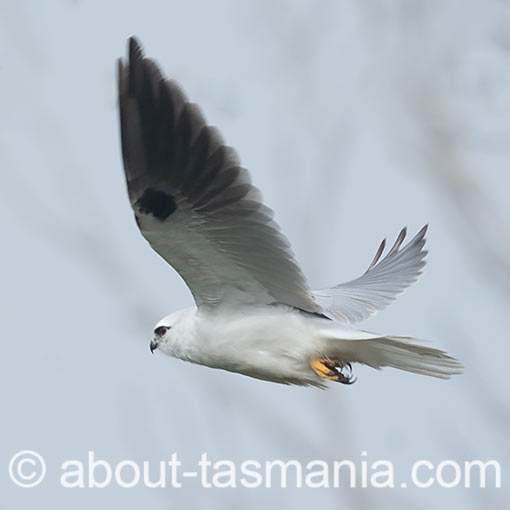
column 161, row 330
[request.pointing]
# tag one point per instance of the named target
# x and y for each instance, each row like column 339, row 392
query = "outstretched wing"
column 194, row 203
column 384, row 280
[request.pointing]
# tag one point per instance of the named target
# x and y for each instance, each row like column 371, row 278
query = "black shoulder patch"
column 158, row 203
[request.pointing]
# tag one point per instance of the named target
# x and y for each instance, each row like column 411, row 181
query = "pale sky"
column 355, row 119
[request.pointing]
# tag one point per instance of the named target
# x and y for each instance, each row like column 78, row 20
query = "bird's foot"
column 331, row 369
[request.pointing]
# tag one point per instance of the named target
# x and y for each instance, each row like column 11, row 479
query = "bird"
column 255, row 313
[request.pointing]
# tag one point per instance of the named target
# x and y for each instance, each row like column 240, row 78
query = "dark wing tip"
column 377, row 255
column 135, row 50
column 398, row 242
column 121, row 77
column 120, row 69
column 168, row 147
column 419, row 238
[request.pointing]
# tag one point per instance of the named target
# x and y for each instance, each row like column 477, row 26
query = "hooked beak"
column 153, row 346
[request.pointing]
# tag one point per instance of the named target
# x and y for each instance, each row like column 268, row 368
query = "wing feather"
column 194, row 202
column 384, row 280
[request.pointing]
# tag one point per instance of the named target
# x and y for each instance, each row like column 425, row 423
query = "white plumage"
column 255, row 313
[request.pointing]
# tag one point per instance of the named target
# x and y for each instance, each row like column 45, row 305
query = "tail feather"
column 399, row 352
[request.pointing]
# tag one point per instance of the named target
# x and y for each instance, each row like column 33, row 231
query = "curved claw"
column 331, row 369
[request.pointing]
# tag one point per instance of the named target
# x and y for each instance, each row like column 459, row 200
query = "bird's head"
column 166, row 332
column 160, row 333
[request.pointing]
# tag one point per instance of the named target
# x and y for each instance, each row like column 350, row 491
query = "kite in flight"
column 255, row 313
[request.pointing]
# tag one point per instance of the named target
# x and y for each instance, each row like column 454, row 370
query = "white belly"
column 271, row 343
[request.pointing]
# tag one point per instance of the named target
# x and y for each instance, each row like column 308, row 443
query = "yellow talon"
column 328, row 369
column 324, row 367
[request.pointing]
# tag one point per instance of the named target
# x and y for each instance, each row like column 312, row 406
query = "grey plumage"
column 384, row 280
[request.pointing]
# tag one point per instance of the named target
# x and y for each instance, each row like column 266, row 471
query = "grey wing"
column 384, row 280
column 193, row 201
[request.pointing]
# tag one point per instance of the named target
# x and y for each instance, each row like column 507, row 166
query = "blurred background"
column 355, row 118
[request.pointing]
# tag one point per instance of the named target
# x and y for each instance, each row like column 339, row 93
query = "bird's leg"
column 324, row 367
column 329, row 368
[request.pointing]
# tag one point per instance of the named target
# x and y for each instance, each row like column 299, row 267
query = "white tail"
column 397, row 352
